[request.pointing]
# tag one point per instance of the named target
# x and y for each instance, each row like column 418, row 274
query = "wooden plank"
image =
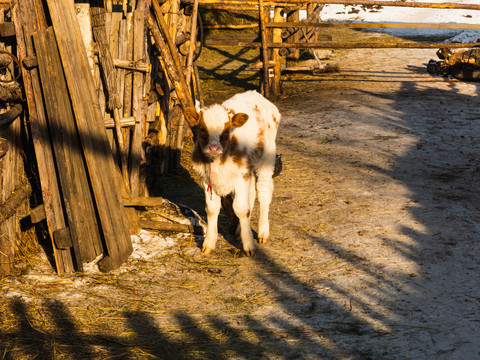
column 67, row 150
column 28, row 17
column 137, row 155
column 98, row 155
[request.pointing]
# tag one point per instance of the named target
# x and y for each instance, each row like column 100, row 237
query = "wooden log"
column 28, row 17
column 73, row 177
column 165, row 226
column 124, row 122
column 101, row 168
column 170, row 61
column 9, row 207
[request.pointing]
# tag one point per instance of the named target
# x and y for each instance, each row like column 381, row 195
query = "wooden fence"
column 103, row 81
column 283, row 34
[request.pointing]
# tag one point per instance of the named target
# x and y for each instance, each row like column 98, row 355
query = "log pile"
column 102, row 82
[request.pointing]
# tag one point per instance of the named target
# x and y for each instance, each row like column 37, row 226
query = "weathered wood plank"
column 98, row 155
column 67, row 150
column 28, row 18
column 137, row 155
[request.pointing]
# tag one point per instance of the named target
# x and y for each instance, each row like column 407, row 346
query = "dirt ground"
column 374, row 252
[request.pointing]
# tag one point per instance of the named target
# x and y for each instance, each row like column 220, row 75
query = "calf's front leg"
column 241, row 206
column 213, row 204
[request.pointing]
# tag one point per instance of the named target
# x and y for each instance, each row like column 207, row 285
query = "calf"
column 234, row 151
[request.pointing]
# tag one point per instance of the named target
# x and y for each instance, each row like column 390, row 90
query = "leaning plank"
column 137, row 156
column 27, row 18
column 68, row 150
column 98, row 155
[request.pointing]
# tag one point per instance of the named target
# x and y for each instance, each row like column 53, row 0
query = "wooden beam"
column 96, row 148
column 366, row 25
column 412, row 4
column 357, row 45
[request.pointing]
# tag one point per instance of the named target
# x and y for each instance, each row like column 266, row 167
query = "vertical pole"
column 263, row 33
column 277, row 37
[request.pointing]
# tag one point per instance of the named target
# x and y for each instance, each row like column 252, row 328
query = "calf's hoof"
column 249, row 253
column 262, row 239
column 207, row 250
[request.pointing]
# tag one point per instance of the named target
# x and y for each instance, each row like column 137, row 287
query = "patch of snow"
column 391, row 14
column 148, row 244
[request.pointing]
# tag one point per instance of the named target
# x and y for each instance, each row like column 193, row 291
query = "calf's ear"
column 192, row 115
column 238, row 120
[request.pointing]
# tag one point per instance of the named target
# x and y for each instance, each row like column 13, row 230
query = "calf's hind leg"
column 264, row 194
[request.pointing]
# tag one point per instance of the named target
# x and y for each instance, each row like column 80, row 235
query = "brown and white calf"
column 235, row 154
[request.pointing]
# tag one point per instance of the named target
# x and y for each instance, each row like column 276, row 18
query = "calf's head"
column 214, row 125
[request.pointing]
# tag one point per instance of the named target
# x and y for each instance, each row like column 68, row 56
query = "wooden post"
column 106, row 61
column 263, row 33
column 98, row 155
column 292, row 58
column 277, row 70
column 137, row 156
